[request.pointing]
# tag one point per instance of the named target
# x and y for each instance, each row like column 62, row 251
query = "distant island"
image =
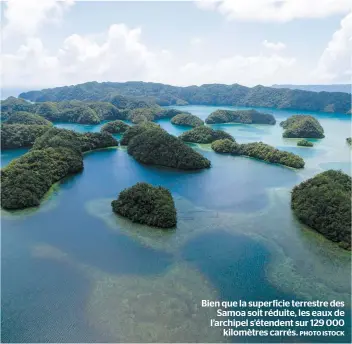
column 115, row 127
column 152, row 145
column 324, row 204
column 260, row 151
column 55, row 154
column 204, row 134
column 345, row 88
column 240, row 116
column 208, row 94
column 302, row 126
column 349, row 140
column 304, row 143
column 88, row 112
column 147, row 204
column 187, row 120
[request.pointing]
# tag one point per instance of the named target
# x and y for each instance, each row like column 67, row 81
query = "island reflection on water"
column 72, row 271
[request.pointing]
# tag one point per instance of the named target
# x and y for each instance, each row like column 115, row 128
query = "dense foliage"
column 147, row 204
column 302, row 126
column 204, row 134
column 186, row 119
column 56, row 137
column 157, row 147
column 259, row 150
column 209, row 94
column 305, row 143
column 240, row 116
column 349, row 140
column 26, row 179
column 20, row 135
column 136, row 130
column 22, row 117
column 115, row 127
column 13, row 104
column 324, row 204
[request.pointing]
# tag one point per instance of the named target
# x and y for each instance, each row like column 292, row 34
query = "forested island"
column 324, row 204
column 240, row 116
column 25, row 180
column 258, row 150
column 20, row 135
column 302, row 126
column 204, row 134
column 136, row 130
column 187, row 120
column 22, row 117
column 115, row 127
column 147, row 204
column 55, row 154
column 349, row 140
column 305, row 143
column 152, row 145
column 208, row 94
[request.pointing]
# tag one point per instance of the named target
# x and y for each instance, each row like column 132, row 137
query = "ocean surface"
column 72, row 271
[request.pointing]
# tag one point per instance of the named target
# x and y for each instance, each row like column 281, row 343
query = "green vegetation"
column 27, row 118
column 13, row 104
column 26, row 179
column 56, row 137
column 144, row 114
column 204, row 134
column 302, row 126
column 259, row 150
column 20, row 135
column 240, row 116
column 147, row 204
column 136, row 130
column 115, row 127
column 349, row 140
column 144, row 94
column 305, row 143
column 186, row 119
column 154, row 146
column 55, row 154
column 324, row 204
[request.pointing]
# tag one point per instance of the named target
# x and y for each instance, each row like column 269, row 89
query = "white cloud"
column 274, row 46
column 196, row 41
column 26, row 17
column 120, row 55
column 276, row 10
column 335, row 62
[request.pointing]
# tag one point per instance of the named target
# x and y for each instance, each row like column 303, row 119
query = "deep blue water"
column 74, row 272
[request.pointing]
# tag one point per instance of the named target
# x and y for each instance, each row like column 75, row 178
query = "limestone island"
column 187, row 120
column 20, row 135
column 260, row 151
column 305, row 143
column 25, row 180
column 56, row 137
column 240, row 116
column 27, row 118
column 302, row 126
column 152, row 145
column 349, row 140
column 324, row 204
column 115, row 127
column 54, row 155
column 147, row 204
column 204, row 134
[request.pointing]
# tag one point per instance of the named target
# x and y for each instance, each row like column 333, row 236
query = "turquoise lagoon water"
column 74, row 272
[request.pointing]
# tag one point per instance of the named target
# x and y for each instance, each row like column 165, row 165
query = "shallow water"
column 72, row 271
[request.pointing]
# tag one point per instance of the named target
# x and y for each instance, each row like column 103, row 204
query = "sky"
column 48, row 43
